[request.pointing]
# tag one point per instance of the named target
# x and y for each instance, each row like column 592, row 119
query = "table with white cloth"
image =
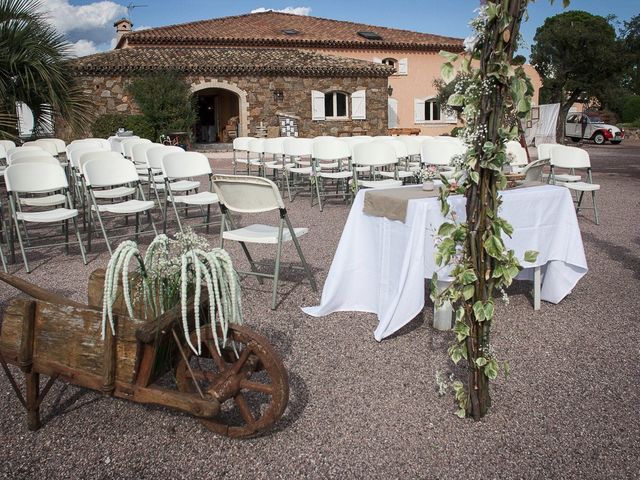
column 380, row 264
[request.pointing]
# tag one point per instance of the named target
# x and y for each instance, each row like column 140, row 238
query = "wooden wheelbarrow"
column 239, row 392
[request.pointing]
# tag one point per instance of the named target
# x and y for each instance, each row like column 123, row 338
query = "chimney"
column 122, row 26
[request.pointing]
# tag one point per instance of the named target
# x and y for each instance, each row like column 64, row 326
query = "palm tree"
column 34, row 70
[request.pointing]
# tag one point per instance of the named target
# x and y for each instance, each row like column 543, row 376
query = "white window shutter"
column 359, row 105
column 377, row 60
column 418, row 109
column 403, row 66
column 392, row 112
column 317, row 105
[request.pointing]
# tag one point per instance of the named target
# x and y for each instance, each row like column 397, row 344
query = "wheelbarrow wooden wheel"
column 250, row 381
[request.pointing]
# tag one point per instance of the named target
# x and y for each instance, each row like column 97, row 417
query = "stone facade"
column 257, row 103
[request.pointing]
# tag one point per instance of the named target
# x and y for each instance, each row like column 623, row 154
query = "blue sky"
column 89, row 24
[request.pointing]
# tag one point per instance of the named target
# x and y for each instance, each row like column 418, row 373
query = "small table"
column 380, row 264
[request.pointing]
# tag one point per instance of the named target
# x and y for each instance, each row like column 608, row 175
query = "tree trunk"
column 565, row 106
column 482, row 198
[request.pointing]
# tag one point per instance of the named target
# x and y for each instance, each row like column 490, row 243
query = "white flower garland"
column 195, row 264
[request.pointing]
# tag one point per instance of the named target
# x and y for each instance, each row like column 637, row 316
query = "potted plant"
column 427, row 175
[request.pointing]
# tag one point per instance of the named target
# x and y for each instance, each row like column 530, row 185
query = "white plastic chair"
column 37, row 178
column 402, row 154
column 299, row 152
column 112, row 174
column 7, row 144
column 139, row 158
column 183, row 165
column 274, row 147
column 441, row 153
column 256, row 155
column 332, row 162
column 374, row 155
column 128, row 144
column 241, row 154
column 544, row 152
column 26, row 156
column 253, row 195
column 517, row 155
column 154, row 165
column 45, row 145
column 574, row 158
column 20, row 151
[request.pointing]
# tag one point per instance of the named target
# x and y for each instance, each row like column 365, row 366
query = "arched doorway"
column 218, row 115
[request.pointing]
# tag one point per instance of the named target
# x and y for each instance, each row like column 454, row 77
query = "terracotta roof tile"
column 226, row 61
column 267, row 29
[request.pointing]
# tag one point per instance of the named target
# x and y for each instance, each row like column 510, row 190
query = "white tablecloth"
column 380, row 264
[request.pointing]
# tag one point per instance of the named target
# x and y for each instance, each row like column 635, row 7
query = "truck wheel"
column 615, row 142
column 575, row 139
column 599, row 138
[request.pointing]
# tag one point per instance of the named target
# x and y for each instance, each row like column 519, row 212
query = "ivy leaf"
column 468, row 276
column 530, row 256
column 506, row 368
column 447, row 72
column 475, row 177
column 491, row 369
column 455, row 355
column 488, row 310
column 481, row 361
column 446, row 229
column 461, row 413
column 461, row 330
column 468, row 291
column 494, row 246
column 478, row 311
column 456, row 100
column 451, row 57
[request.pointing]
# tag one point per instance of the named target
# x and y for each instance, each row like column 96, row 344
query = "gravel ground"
column 362, row 409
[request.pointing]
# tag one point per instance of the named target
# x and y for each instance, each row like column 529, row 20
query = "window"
column 392, row 62
column 431, row 111
column 335, row 105
column 370, row 35
column 427, row 110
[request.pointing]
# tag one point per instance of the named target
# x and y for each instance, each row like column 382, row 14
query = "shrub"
column 165, row 100
column 631, row 109
column 108, row 124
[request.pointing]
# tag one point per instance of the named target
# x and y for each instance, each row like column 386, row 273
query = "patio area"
column 359, row 408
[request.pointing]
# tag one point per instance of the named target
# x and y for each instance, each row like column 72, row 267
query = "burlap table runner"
column 392, row 202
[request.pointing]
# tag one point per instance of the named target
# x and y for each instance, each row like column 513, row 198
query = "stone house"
column 254, row 89
column 413, row 56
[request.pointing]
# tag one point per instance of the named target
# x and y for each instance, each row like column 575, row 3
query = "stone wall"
column 110, row 96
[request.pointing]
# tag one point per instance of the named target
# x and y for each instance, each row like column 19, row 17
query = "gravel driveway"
column 363, row 409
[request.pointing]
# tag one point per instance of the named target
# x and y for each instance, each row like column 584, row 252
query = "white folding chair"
column 574, row 158
column 373, row 156
column 20, row 151
column 256, row 155
column 7, row 144
column 128, row 144
column 544, row 152
column 154, row 170
column 139, row 158
column 253, row 195
column 299, row 152
column 402, row 172
column 29, row 178
column 278, row 164
column 533, row 171
column 413, row 146
column 441, row 153
column 241, row 154
column 186, row 165
column 332, row 162
column 112, row 175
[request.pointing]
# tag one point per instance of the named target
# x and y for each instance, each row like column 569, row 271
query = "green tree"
column 33, row 70
column 166, row 101
column 631, row 45
column 578, row 56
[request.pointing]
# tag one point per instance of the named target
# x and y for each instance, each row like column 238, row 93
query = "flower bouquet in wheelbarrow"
column 179, row 311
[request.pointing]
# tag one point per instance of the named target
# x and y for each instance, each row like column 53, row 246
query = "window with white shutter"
column 403, row 66
column 393, row 112
column 418, row 110
column 359, row 105
column 317, row 105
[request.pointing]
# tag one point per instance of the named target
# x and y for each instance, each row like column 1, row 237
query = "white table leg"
column 536, row 288
column 443, row 315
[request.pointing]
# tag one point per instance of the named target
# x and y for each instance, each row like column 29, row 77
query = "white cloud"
column 83, row 47
column 294, row 10
column 87, row 26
